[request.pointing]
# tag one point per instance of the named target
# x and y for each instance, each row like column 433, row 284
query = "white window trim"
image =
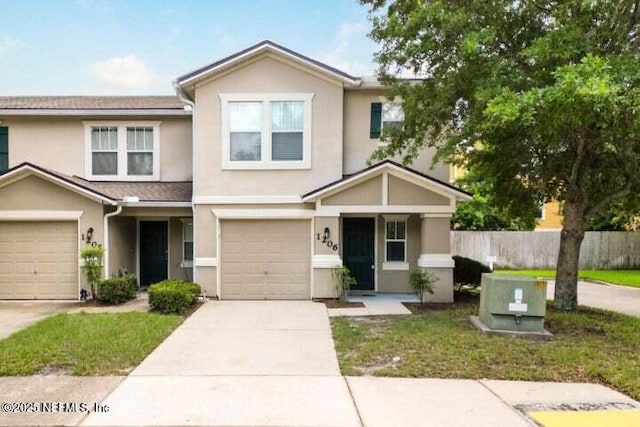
column 122, row 150
column 266, row 162
column 185, row 262
column 396, row 265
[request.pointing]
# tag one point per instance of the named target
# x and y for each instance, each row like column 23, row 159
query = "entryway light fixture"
column 89, row 234
column 326, row 233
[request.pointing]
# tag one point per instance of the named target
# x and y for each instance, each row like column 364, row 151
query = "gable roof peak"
column 256, row 49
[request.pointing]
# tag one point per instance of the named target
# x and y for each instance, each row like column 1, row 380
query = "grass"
column 616, row 277
column 588, row 346
column 85, row 344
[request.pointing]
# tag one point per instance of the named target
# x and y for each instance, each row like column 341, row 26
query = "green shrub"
column 117, row 290
column 422, row 282
column 468, row 272
column 173, row 296
column 342, row 281
column 92, row 257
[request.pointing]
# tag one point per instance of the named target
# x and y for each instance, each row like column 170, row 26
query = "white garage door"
column 265, row 259
column 38, row 260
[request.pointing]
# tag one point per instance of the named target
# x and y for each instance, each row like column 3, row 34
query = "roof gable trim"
column 265, row 46
column 394, row 169
column 27, row 169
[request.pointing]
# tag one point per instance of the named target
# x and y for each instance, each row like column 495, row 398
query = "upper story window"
column 266, row 131
column 122, row 151
column 385, row 114
column 392, row 115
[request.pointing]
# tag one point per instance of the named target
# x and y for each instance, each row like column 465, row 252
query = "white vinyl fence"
column 539, row 249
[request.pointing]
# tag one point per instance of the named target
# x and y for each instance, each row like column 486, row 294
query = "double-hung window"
column 266, row 131
column 392, row 115
column 104, row 150
column 395, row 251
column 122, row 151
column 140, row 151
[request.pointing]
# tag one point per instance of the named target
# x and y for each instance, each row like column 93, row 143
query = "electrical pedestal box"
column 512, row 303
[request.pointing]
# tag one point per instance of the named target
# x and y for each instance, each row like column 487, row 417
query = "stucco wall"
column 398, row 281
column 268, row 75
column 59, row 144
column 122, row 244
column 366, row 193
column 404, row 193
column 358, row 145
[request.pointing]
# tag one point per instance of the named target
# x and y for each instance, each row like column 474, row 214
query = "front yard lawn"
column 588, row 346
column 85, row 344
column 616, row 277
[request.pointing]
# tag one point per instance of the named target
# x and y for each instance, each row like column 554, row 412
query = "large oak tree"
column 541, row 98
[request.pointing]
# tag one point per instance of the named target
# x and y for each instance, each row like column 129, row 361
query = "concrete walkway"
column 239, row 363
column 622, row 299
column 274, row 364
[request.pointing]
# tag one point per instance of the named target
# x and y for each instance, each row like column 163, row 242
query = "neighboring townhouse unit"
column 252, row 182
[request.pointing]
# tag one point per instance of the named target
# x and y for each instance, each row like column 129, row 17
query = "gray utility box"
column 513, row 303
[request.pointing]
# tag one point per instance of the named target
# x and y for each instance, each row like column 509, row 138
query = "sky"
column 138, row 47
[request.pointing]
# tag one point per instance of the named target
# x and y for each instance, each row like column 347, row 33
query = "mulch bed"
column 461, row 298
column 333, row 303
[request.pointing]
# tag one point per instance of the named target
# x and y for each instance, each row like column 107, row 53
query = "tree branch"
column 602, row 204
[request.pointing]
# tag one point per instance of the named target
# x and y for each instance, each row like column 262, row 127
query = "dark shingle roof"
column 145, row 191
column 180, row 191
column 90, row 103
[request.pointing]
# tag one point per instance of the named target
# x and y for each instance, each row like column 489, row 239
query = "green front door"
column 153, row 252
column 358, row 251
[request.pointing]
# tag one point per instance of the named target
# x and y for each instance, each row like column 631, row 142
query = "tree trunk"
column 566, row 291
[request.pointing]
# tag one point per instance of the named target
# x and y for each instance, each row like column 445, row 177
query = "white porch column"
column 435, row 254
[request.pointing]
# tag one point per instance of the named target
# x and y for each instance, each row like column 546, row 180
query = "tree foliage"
column 483, row 213
column 541, row 98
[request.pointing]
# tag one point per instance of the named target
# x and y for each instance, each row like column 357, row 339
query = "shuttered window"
column 388, row 114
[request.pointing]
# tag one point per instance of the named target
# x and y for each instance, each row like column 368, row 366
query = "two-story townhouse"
column 253, row 182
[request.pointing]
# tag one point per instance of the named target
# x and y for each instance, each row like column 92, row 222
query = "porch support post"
column 435, row 254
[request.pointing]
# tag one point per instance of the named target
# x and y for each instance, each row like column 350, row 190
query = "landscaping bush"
column 173, row 296
column 468, row 272
column 117, row 290
column 422, row 282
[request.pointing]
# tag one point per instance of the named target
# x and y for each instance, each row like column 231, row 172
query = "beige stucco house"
column 253, row 181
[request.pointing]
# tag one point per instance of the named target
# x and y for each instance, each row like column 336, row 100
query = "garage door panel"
column 265, row 259
column 39, row 260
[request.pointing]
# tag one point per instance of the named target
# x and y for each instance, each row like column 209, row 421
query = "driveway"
column 239, row 363
column 17, row 315
column 622, row 299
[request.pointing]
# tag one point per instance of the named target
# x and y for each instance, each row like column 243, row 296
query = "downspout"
column 182, row 96
column 105, row 228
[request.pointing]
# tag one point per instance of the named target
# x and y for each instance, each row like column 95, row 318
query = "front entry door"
column 359, row 240
column 153, row 252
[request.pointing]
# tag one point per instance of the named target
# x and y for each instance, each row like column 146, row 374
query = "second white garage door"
column 265, row 259
column 38, row 260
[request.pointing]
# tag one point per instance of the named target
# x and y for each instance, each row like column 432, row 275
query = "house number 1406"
column 329, row 243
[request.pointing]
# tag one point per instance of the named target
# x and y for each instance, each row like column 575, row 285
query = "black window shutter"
column 376, row 120
column 4, row 149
